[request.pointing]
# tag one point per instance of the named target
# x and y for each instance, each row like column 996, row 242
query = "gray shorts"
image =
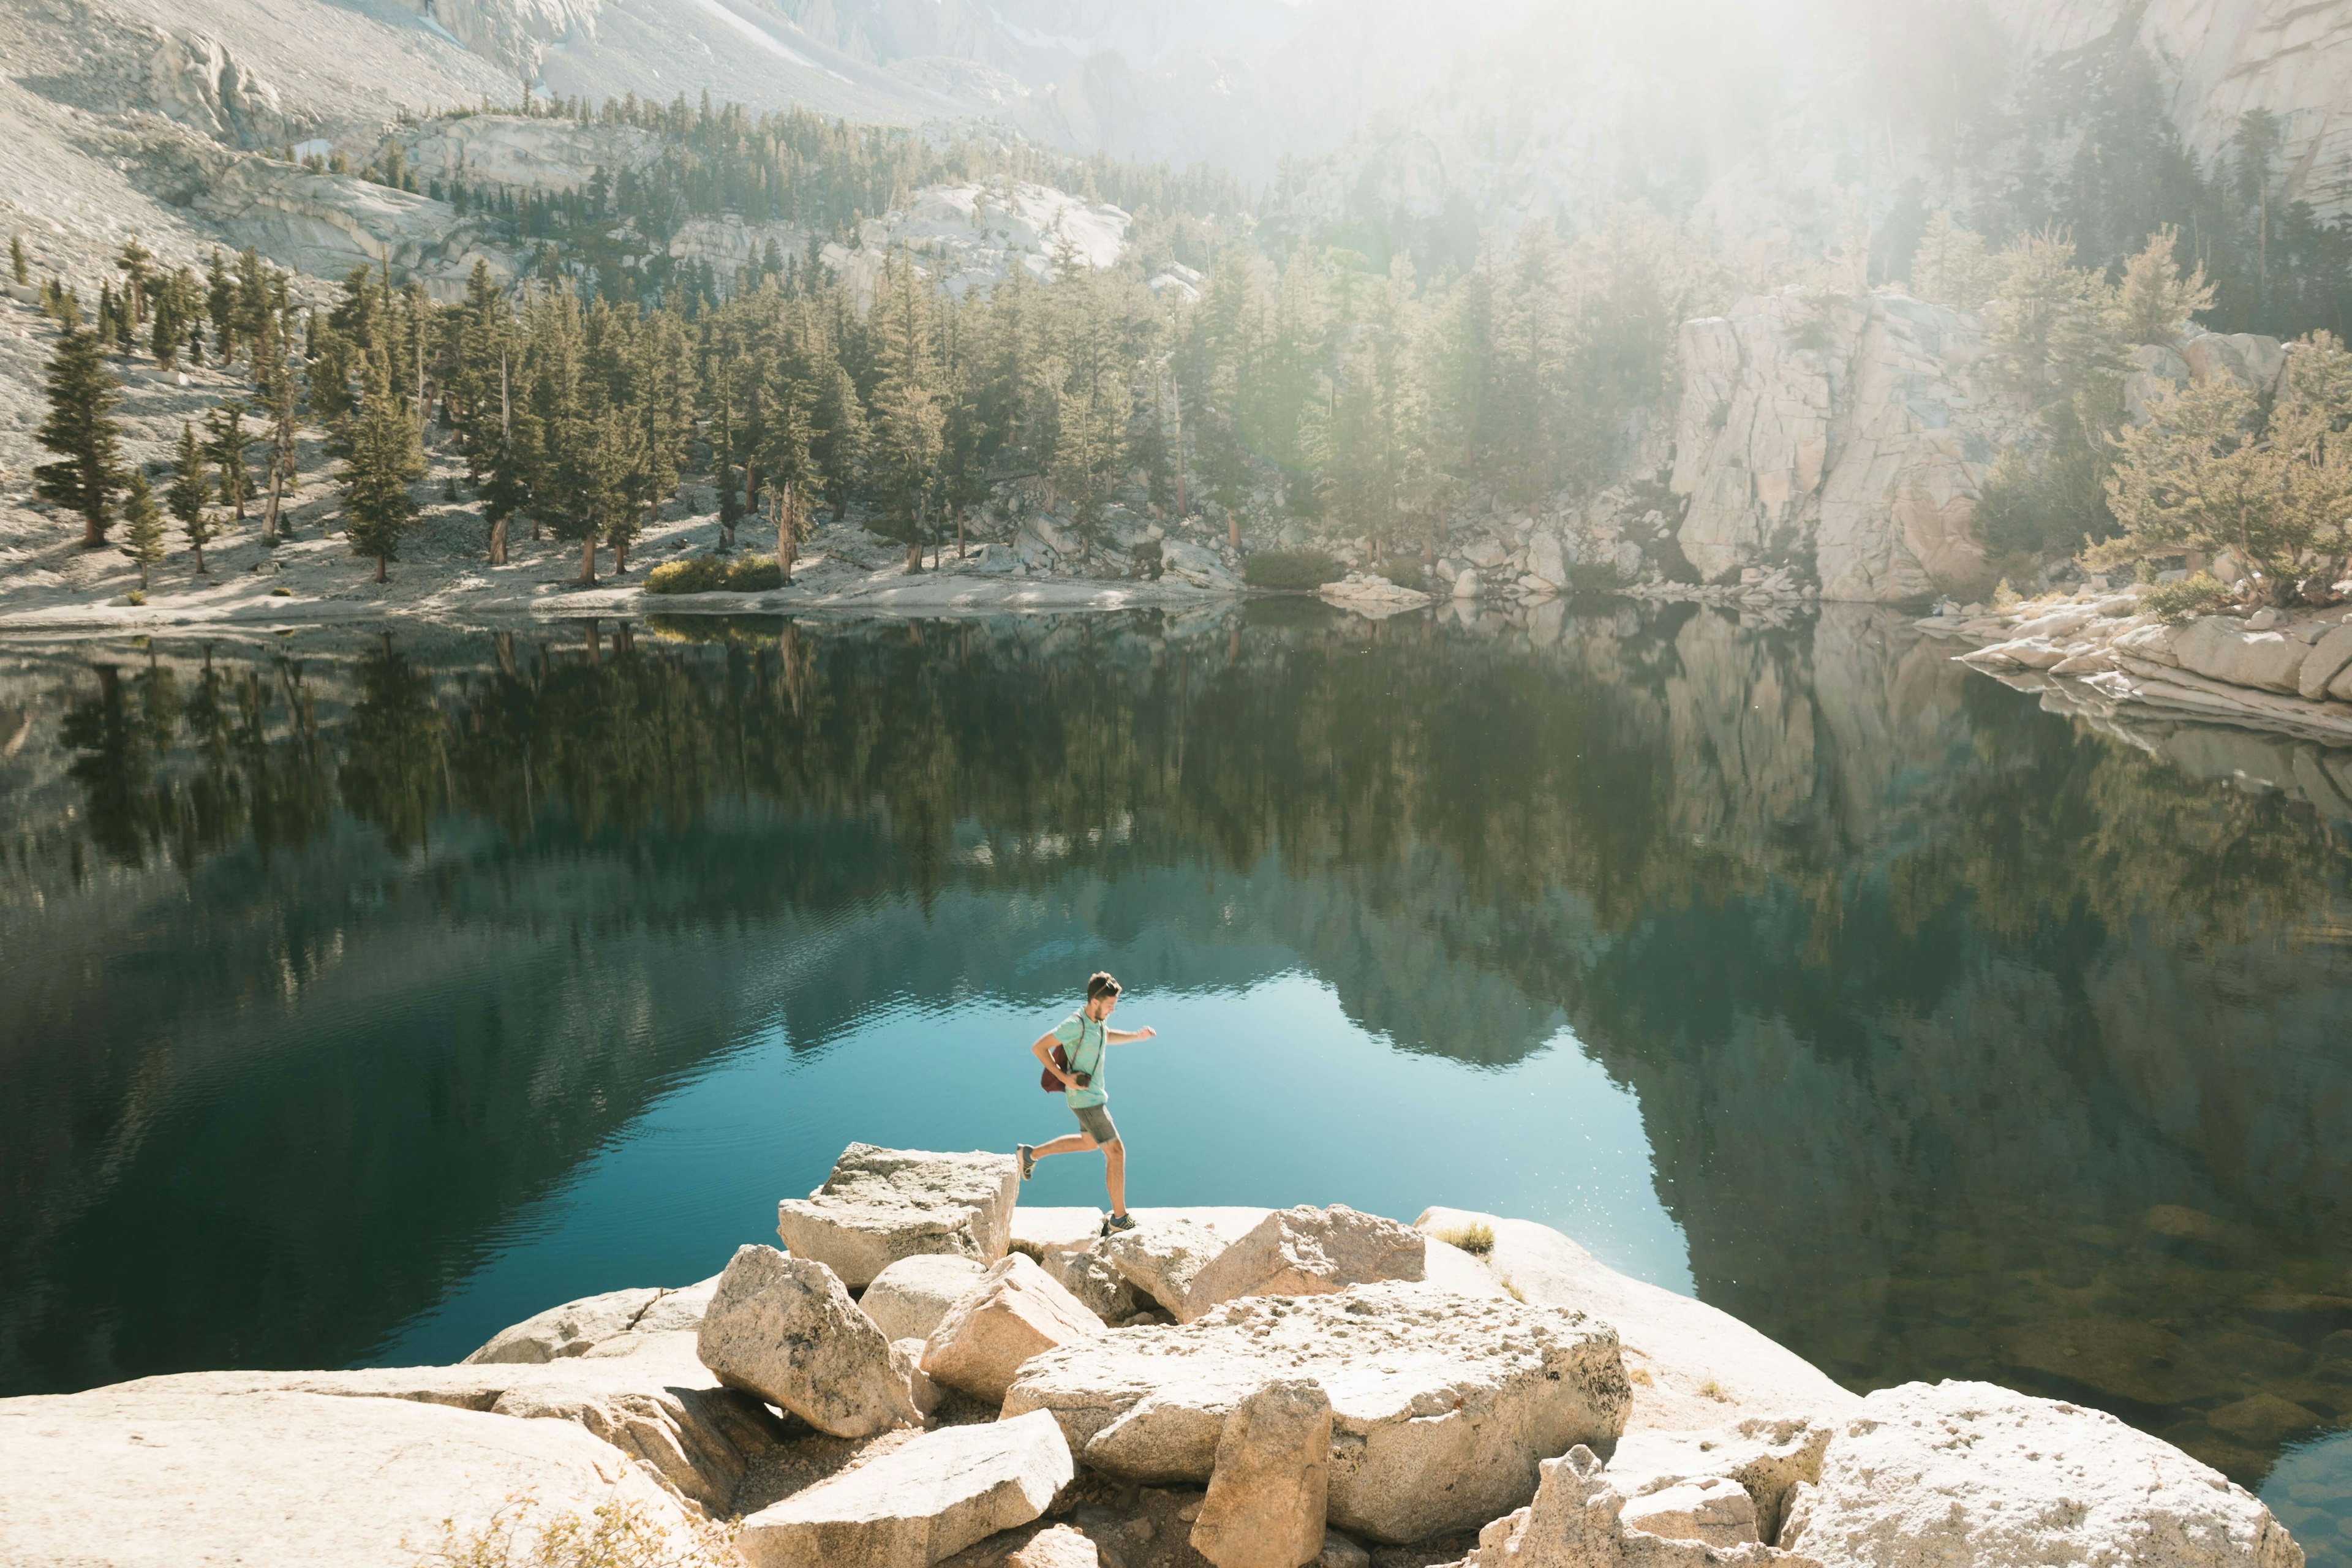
column 1096, row 1120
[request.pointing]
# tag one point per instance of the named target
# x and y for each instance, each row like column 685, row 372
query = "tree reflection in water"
column 1969, row 1041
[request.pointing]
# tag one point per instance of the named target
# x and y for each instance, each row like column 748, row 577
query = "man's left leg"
column 1114, row 1176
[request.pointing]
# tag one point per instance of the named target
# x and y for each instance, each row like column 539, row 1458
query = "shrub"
column 524, row 1533
column 281, row 592
column 1593, row 578
column 136, row 597
column 753, row 574
column 1149, row 559
column 695, row 574
column 1291, row 569
column 2177, row 603
column 1477, row 1240
column 715, row 575
column 1404, row 574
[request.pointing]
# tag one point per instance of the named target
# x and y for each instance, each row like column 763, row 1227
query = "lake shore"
column 929, row 1374
column 2098, row 653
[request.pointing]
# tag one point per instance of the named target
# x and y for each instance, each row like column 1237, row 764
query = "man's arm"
column 1043, row 1051
column 1128, row 1036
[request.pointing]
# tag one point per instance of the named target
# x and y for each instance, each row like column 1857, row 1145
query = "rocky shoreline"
column 2098, row 652
column 927, row 1372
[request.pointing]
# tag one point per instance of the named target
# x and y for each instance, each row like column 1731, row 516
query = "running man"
column 1085, row 1036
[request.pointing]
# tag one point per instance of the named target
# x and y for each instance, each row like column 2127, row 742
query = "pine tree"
column 136, row 263
column 142, row 538
column 16, row 263
column 793, row 439
column 384, row 461
column 220, row 303
column 80, row 428
column 907, row 415
column 189, row 492
column 226, row 440
column 2155, row 300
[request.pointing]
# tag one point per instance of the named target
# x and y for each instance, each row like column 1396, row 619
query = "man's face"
column 1100, row 1008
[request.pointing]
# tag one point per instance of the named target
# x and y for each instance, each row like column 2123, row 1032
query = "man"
column 1085, row 1036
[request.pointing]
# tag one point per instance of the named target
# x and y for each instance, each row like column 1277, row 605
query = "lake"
column 365, row 992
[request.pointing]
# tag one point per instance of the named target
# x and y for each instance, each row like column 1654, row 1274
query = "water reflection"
column 1933, row 1033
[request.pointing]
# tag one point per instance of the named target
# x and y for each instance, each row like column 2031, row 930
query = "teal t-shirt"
column 1083, row 1038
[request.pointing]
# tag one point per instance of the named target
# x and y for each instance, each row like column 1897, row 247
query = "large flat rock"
column 920, row 1503
column 1441, row 1404
column 881, row 1204
column 197, row 1472
column 657, row 1404
column 1306, row 1251
column 1923, row 1475
column 1693, row 1366
column 1040, row 1230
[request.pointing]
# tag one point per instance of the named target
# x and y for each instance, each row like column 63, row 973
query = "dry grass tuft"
column 1477, row 1240
column 525, row 1533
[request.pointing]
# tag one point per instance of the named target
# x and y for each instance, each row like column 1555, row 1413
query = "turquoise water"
column 368, row 994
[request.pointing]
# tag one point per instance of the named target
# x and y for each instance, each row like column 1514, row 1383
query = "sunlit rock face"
column 2293, row 60
column 512, row 32
column 1852, row 435
column 1852, row 432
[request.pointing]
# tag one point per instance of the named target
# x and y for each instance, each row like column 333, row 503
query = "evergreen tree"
column 80, row 428
column 143, row 534
column 384, row 461
column 908, row 414
column 137, row 265
column 2155, row 300
column 17, row 264
column 793, row 441
column 226, row 441
column 220, row 303
column 189, row 492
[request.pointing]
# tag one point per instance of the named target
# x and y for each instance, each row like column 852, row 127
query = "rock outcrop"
column 327, row 224
column 881, row 1204
column 1850, row 436
column 1441, row 1406
column 1306, row 1251
column 217, row 1468
column 1849, row 433
column 918, row 1503
column 784, row 1328
column 515, row 33
column 1163, row 1258
column 612, row 1324
column 1272, row 1481
column 1015, row 1313
column 199, row 82
column 908, row 1299
column 1967, row 1472
column 2281, row 670
column 1698, row 1367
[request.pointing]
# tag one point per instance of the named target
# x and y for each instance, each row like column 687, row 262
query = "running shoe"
column 1028, row 1160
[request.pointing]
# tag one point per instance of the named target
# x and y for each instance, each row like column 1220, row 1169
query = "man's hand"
column 1147, row 1033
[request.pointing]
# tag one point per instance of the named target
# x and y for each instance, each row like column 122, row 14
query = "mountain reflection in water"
column 360, row 987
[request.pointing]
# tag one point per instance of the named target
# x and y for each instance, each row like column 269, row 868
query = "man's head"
column 1102, row 995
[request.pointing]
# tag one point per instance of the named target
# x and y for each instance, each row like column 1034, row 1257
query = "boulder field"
column 929, row 1375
